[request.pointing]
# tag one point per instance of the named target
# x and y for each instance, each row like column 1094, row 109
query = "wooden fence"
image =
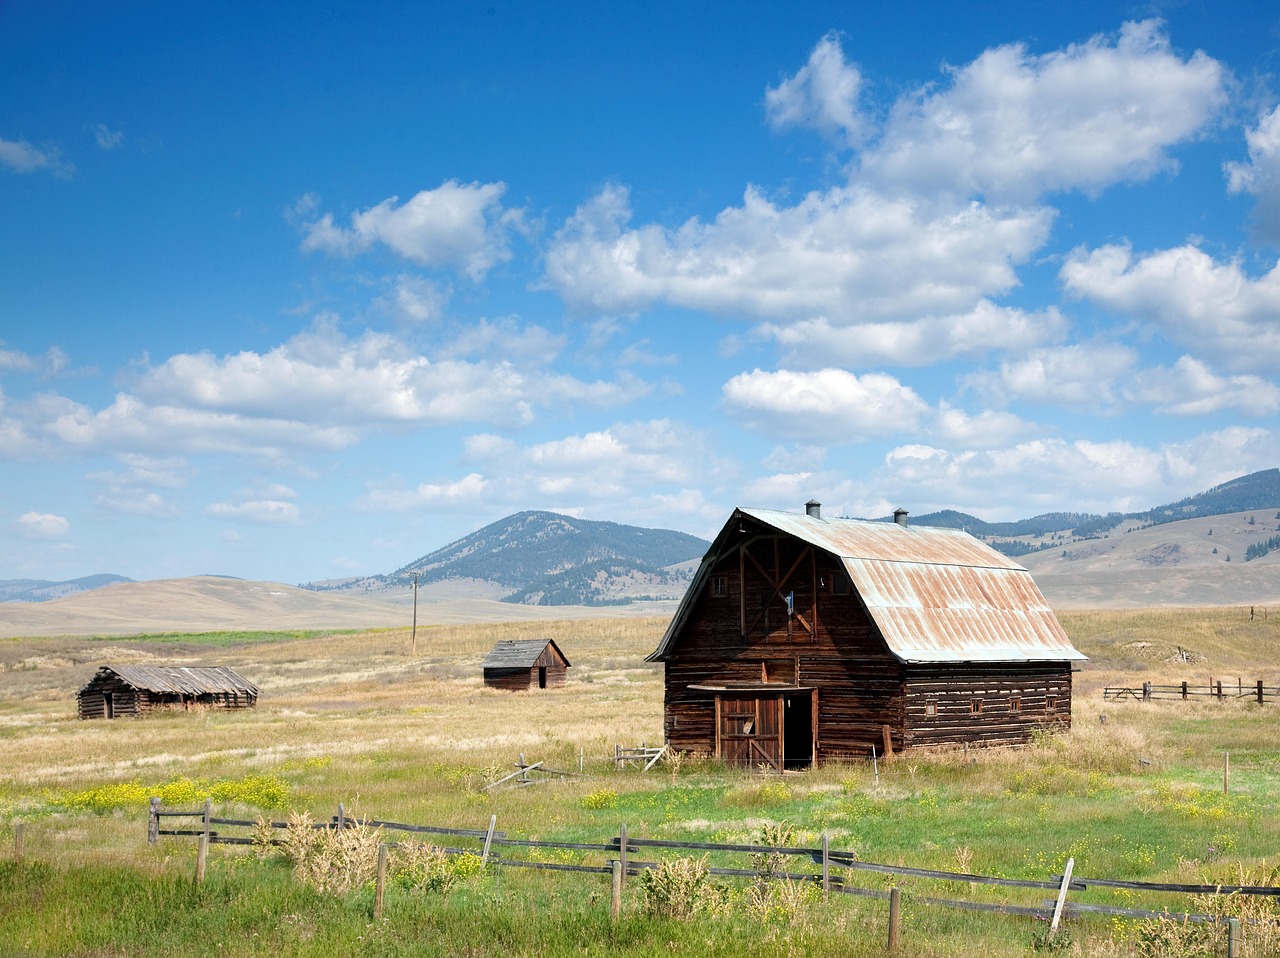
column 832, row 869
column 1215, row 689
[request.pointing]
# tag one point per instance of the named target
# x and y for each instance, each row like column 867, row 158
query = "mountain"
column 544, row 558
column 41, row 590
column 1257, row 491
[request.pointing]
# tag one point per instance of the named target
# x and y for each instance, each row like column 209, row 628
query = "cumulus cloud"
column 105, row 137
column 831, row 406
column 1083, row 376
column 471, row 488
column 415, row 300
column 984, row 430
column 1191, row 388
column 146, row 505
column 847, row 254
column 270, row 512
column 917, row 342
column 1211, row 307
column 822, row 95
column 1012, row 126
column 1260, row 176
column 21, row 157
column 457, row 225
column 1093, row 476
column 42, row 525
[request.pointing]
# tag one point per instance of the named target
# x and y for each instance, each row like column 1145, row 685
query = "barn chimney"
column 900, row 517
column 813, row 508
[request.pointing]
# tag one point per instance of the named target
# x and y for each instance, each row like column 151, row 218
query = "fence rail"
column 1185, row 691
column 622, row 847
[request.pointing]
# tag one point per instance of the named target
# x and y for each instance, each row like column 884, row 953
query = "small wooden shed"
column 520, row 664
column 804, row 639
column 119, row 690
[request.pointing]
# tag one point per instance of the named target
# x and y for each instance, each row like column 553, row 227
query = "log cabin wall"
column 91, row 702
column 996, row 704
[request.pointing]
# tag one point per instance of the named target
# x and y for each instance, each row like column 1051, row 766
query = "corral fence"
column 833, row 870
column 1186, row 691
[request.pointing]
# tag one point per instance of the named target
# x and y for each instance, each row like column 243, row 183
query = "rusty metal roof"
column 519, row 653
column 936, row 595
column 183, row 680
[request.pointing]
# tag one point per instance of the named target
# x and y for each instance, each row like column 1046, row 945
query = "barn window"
column 930, row 708
column 839, row 583
column 1051, row 703
column 1015, row 704
column 779, row 670
column 719, row 586
column 975, row 706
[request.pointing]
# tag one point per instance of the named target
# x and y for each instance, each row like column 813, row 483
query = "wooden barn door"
column 750, row 732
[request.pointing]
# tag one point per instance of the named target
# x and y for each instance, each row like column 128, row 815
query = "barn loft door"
column 778, row 595
column 750, row 731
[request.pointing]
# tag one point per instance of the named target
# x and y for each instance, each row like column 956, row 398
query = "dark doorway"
column 542, row 676
column 797, row 735
column 108, row 706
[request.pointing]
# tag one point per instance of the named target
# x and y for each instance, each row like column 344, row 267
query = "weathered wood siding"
column 91, row 702
column 1014, row 700
column 523, row 679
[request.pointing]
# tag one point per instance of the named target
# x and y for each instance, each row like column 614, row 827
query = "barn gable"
column 118, row 690
column 864, row 633
column 518, row 664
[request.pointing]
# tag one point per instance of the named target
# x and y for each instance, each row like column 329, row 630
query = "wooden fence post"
column 205, row 823
column 615, row 899
column 895, row 914
column 622, row 850
column 1259, row 691
column 381, row 887
column 1219, row 690
column 1062, row 895
column 826, row 867
column 888, row 743
column 342, row 817
column 153, row 821
column 19, row 840
column 1146, row 691
column 488, row 841
column 202, row 856
column 1184, row 691
column 1233, row 937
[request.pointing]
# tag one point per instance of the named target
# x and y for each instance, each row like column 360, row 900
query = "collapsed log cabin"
column 134, row 690
column 521, row 664
column 805, row 639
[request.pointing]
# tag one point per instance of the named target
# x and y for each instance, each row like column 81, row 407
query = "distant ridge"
column 544, row 558
column 42, row 590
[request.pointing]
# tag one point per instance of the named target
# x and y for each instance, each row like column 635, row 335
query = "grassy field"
column 354, row 718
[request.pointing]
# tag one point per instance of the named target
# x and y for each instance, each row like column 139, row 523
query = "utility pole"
column 414, row 641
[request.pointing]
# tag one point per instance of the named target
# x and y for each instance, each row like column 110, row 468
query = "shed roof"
column 185, row 680
column 520, row 653
column 936, row 595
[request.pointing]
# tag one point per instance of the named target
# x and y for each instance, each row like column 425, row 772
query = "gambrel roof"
column 520, row 653
column 182, row 680
column 936, row 595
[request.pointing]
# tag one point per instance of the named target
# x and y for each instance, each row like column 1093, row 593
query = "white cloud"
column 147, row 505
column 457, row 225
column 1191, row 388
column 1083, row 376
column 829, row 406
column 985, row 430
column 1260, row 176
column 505, row 339
column 1013, row 126
column 470, row 489
column 105, row 137
column 413, row 299
column 270, row 512
column 42, row 525
column 168, row 472
column 1041, row 475
column 846, row 253
column 822, row 95
column 21, row 157
column 917, row 342
column 1214, row 308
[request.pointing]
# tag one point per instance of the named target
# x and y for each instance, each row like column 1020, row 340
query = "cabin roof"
column 936, row 595
column 520, row 653
column 184, row 680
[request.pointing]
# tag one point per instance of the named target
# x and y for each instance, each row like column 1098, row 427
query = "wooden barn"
column 520, row 664
column 805, row 639
column 119, row 690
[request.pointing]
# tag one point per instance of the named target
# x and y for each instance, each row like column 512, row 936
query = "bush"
column 420, row 866
column 600, row 798
column 334, row 861
column 681, row 889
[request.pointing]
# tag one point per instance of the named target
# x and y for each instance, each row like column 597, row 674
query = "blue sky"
column 297, row 291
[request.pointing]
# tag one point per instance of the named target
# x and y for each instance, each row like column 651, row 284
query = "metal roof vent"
column 900, row 517
column 813, row 508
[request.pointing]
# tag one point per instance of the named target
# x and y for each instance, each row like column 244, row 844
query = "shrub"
column 333, row 861
column 681, row 889
column 600, row 798
column 1045, row 938
column 421, row 866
